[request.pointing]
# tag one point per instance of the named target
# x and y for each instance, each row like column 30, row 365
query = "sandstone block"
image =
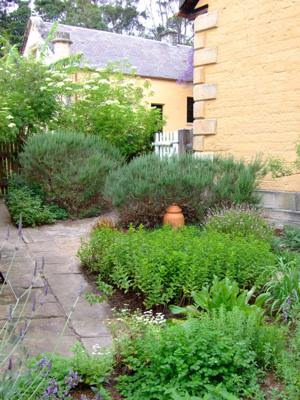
column 205, row 126
column 205, row 56
column 198, row 143
column 199, row 109
column 199, row 75
column 205, row 92
column 199, row 40
column 206, row 21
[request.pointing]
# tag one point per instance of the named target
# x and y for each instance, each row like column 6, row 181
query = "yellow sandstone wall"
column 247, row 81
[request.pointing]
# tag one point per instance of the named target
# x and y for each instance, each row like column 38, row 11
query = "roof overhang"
column 188, row 9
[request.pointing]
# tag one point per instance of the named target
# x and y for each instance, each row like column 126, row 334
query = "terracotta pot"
column 174, row 216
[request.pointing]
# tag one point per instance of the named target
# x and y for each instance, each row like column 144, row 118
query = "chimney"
column 61, row 45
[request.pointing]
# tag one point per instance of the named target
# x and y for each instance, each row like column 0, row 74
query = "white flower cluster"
column 96, row 350
column 148, row 318
column 144, row 318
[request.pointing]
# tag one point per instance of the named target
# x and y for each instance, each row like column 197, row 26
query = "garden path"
column 61, row 276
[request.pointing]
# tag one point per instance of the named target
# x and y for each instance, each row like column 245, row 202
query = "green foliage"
column 31, row 93
column 113, row 107
column 166, row 265
column 25, row 204
column 284, row 289
column 291, row 237
column 230, row 348
column 143, row 189
column 123, row 16
column 71, row 170
column 240, row 221
column 222, row 293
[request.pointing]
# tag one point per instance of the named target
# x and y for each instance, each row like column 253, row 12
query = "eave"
column 188, row 9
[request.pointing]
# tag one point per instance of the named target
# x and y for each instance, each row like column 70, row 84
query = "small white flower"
column 11, row 125
column 59, row 84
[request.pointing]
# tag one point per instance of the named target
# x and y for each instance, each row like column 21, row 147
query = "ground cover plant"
column 70, row 169
column 165, row 265
column 233, row 349
column 144, row 188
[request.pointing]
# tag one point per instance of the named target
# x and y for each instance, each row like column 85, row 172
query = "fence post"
column 185, row 141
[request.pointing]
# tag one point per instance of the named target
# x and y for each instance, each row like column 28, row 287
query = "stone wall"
column 247, row 80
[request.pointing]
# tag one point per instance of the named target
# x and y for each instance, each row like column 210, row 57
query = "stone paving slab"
column 40, row 344
column 47, row 310
column 56, row 247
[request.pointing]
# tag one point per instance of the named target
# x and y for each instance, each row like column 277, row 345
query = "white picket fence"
column 166, row 143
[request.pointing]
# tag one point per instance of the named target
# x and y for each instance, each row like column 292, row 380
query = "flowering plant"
column 31, row 92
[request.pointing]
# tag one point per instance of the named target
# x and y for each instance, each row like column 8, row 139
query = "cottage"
column 247, row 85
column 164, row 64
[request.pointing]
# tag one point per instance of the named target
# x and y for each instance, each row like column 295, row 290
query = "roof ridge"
column 121, row 34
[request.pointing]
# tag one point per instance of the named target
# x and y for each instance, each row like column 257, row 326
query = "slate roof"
column 151, row 58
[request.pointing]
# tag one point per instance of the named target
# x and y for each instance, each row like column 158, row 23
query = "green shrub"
column 112, row 107
column 144, row 188
column 71, row 170
column 240, row 221
column 23, row 203
column 186, row 359
column 164, row 265
column 28, row 203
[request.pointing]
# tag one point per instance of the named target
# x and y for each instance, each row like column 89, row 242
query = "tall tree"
column 13, row 20
column 51, row 10
column 163, row 20
column 120, row 16
column 73, row 12
column 123, row 16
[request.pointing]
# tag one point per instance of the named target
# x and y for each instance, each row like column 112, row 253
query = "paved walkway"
column 61, row 278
